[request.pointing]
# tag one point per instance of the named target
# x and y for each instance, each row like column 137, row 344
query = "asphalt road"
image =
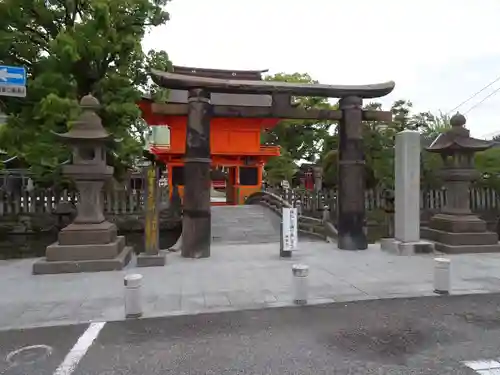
column 431, row 335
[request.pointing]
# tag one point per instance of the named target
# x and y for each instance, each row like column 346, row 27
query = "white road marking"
column 484, row 366
column 43, row 352
column 79, row 349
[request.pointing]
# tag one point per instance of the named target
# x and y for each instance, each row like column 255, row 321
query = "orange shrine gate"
column 234, row 142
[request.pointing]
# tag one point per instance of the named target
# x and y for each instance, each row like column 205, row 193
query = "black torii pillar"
column 351, row 176
column 196, row 222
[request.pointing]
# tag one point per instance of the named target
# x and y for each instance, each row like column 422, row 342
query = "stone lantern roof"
column 458, row 139
column 88, row 127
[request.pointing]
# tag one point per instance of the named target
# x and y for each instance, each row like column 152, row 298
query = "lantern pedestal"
column 152, row 260
column 90, row 243
column 456, row 230
column 85, row 248
column 454, row 234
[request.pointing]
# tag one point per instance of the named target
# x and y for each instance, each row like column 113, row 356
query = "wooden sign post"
column 152, row 255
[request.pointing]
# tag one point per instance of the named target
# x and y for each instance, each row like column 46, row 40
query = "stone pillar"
column 407, row 194
column 318, row 178
column 318, row 185
column 351, row 177
column 90, row 207
column 457, row 194
column 196, row 223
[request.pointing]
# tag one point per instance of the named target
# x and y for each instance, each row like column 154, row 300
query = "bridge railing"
column 310, row 225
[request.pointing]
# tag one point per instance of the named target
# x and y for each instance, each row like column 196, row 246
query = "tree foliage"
column 317, row 141
column 70, row 49
column 280, row 168
column 488, row 164
column 379, row 145
column 299, row 139
column 303, row 139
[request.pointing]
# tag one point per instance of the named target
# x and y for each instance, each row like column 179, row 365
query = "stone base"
column 57, row 252
column 88, row 234
column 419, row 247
column 151, row 260
column 457, row 224
column 462, row 243
column 285, row 254
column 394, row 246
column 466, row 249
column 460, row 239
column 43, row 266
column 389, row 244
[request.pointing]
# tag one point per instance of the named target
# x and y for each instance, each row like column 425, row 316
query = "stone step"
column 469, row 249
column 244, row 224
column 459, row 239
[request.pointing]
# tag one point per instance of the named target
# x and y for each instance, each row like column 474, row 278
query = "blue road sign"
column 12, row 75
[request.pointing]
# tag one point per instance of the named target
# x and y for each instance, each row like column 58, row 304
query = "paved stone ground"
column 234, row 277
column 244, row 224
column 424, row 336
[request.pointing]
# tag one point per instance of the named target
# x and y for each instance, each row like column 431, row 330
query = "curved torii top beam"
column 233, row 86
column 251, row 75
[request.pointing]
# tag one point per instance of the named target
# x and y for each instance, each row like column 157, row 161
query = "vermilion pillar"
column 260, row 168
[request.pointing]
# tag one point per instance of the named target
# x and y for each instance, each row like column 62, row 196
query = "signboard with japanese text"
column 151, row 217
column 290, row 229
column 12, row 81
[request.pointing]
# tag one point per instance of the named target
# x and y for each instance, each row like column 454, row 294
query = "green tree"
column 488, row 164
column 329, row 163
column 303, row 139
column 379, row 142
column 431, row 163
column 70, row 49
column 433, row 125
column 281, row 168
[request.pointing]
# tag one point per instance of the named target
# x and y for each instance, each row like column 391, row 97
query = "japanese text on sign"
column 290, row 229
column 151, row 219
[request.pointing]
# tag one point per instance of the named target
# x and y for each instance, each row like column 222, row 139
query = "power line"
column 482, row 101
column 474, row 95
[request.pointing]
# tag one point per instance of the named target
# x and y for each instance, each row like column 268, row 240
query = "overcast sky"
column 439, row 52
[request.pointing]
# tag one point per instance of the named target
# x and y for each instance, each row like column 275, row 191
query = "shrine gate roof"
column 246, row 100
column 249, row 75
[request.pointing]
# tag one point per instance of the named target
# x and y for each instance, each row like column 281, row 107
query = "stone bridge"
column 259, row 220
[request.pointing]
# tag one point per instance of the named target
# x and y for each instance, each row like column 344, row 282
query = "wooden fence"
column 481, row 199
column 41, row 201
column 132, row 201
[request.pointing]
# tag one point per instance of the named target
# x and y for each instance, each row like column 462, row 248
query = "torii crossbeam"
column 199, row 111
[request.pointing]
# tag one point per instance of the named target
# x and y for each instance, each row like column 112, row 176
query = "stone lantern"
column 90, row 243
column 318, row 178
column 456, row 229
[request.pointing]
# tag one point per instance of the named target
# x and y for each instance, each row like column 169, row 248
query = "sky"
column 439, row 52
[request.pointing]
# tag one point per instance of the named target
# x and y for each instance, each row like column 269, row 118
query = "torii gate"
column 196, row 235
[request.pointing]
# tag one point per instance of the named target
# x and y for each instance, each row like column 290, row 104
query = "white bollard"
column 326, row 213
column 442, row 276
column 133, row 302
column 300, row 272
